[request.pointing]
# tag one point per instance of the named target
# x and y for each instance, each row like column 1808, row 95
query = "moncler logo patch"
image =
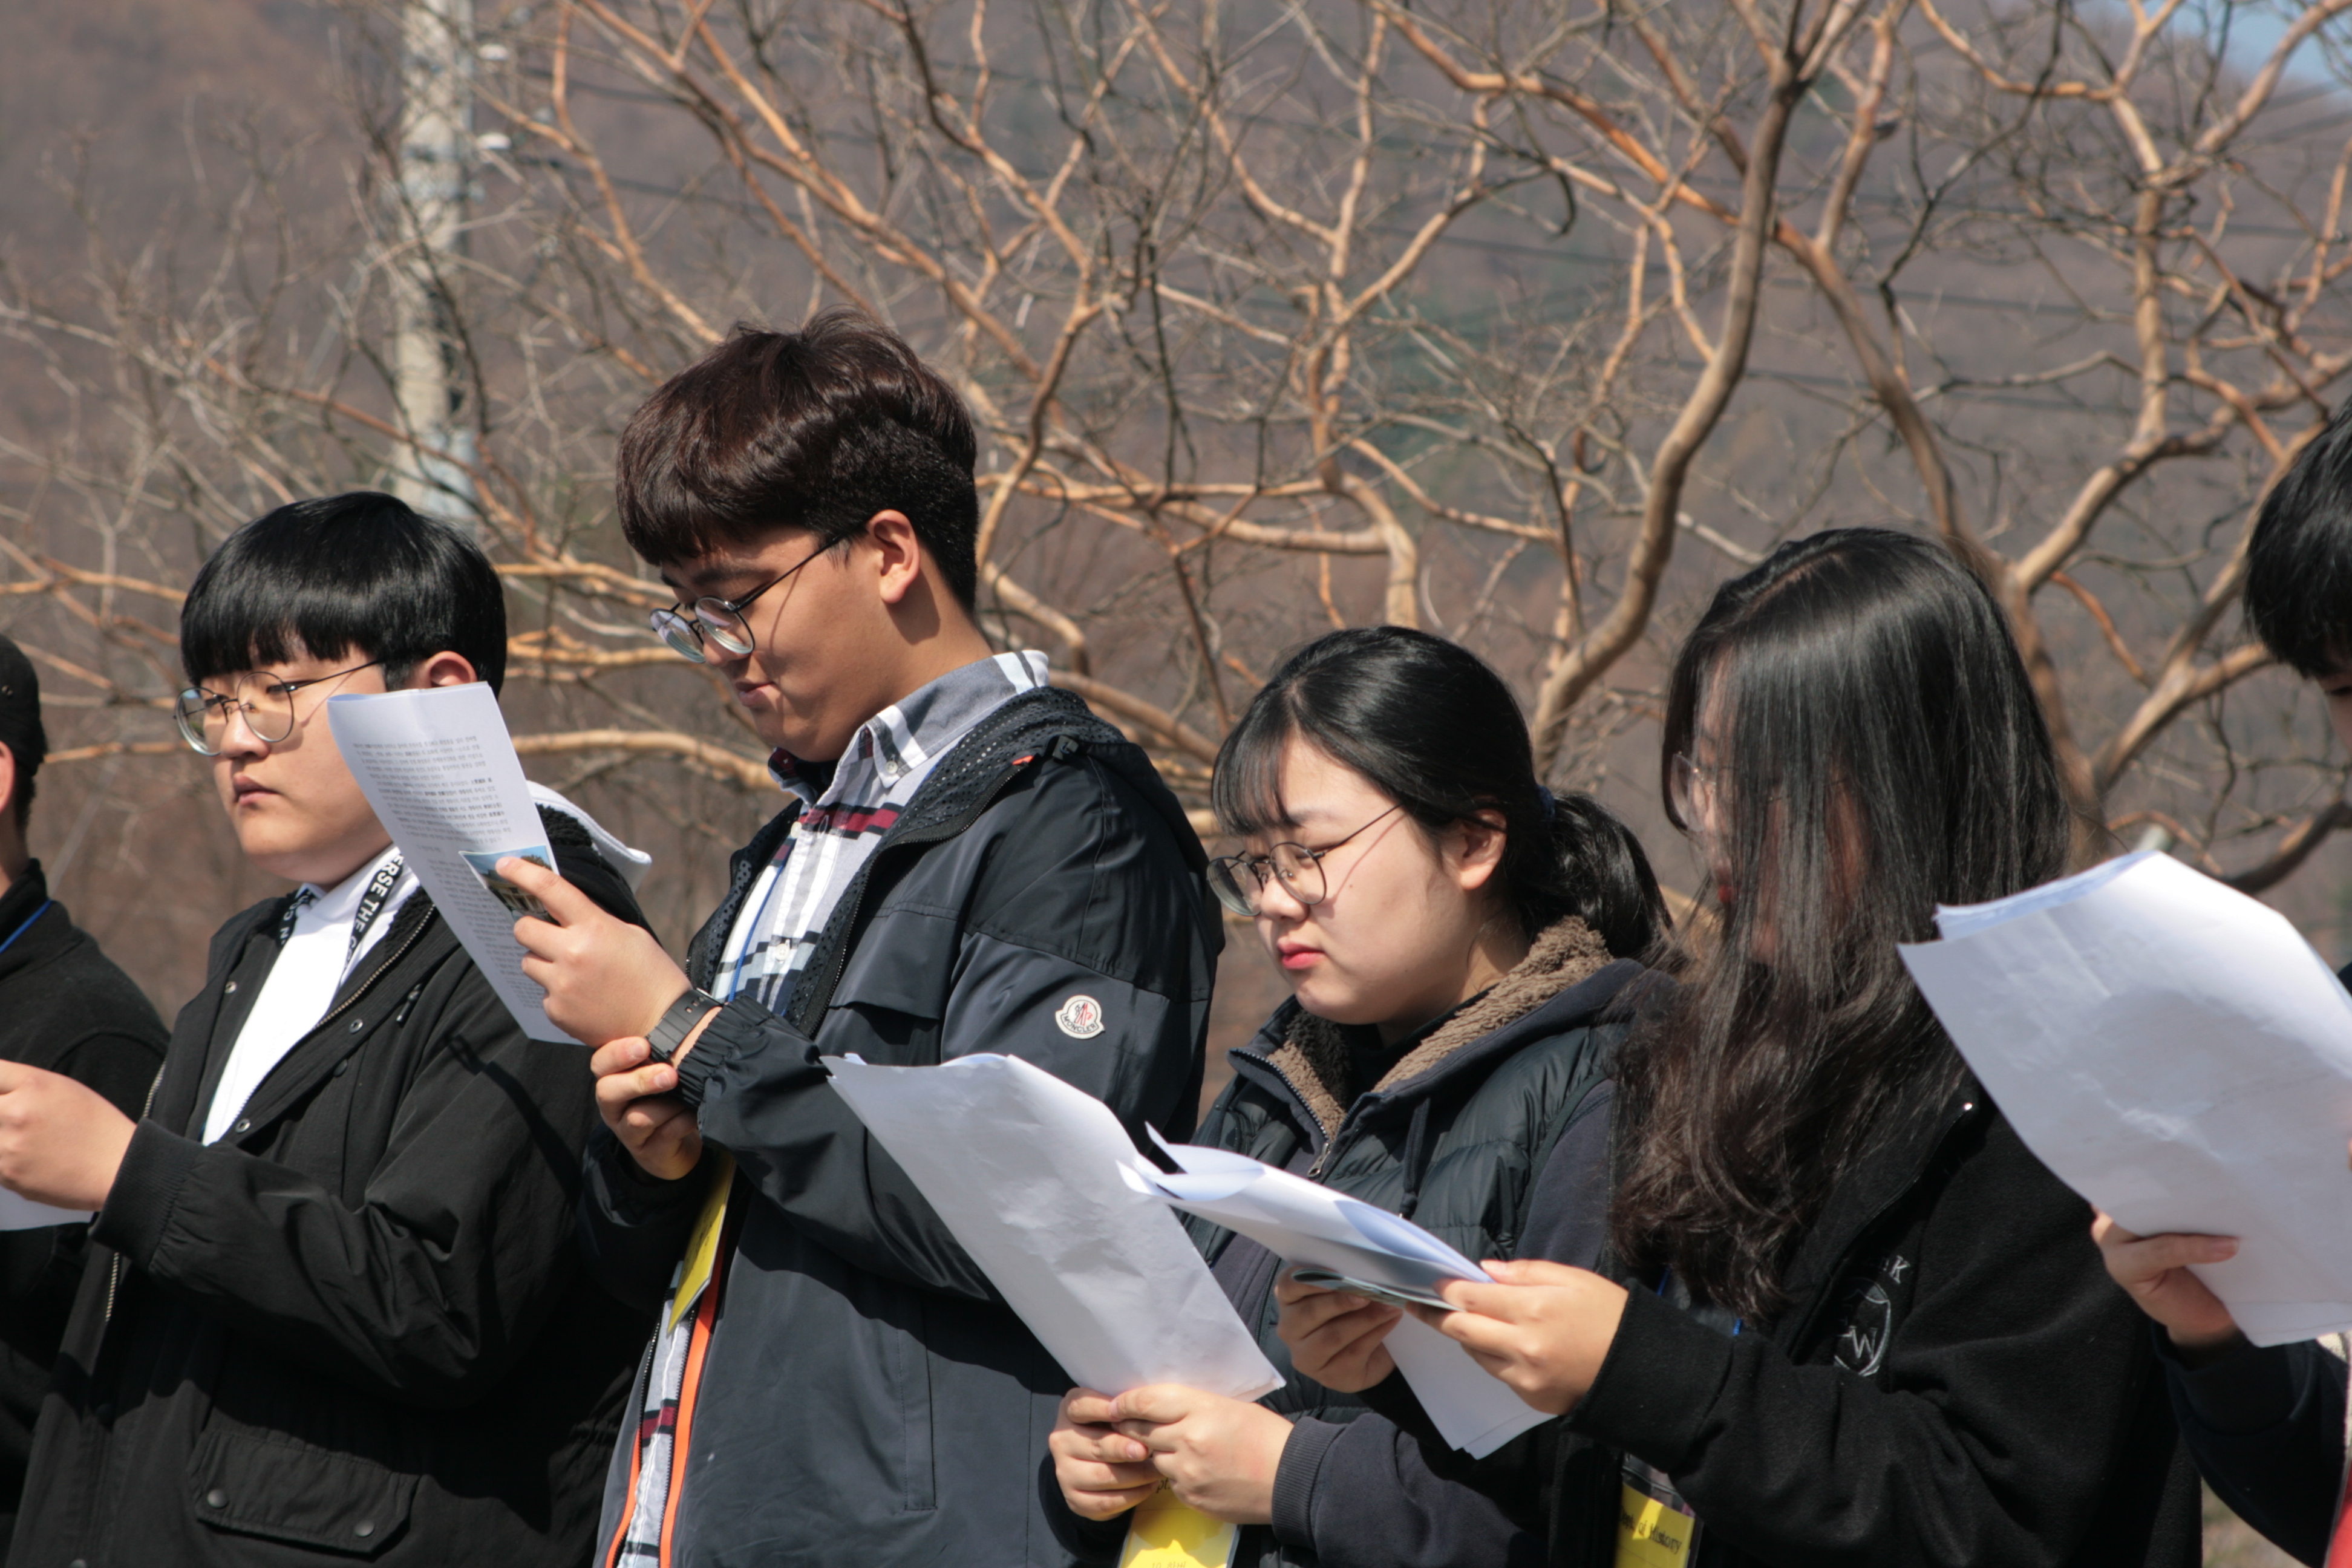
column 1080, row 1018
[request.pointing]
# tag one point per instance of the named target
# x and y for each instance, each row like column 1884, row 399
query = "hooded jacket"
column 1954, row 1381
column 355, row 1330
column 1490, row 1131
column 64, row 1007
column 866, row 1397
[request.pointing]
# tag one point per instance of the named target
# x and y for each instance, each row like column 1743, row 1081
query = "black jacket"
column 1954, row 1380
column 866, row 1398
column 355, row 1328
column 1491, row 1132
column 2266, row 1425
column 65, row 1007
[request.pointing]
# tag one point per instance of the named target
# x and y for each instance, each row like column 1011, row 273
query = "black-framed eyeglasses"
column 1239, row 880
column 717, row 620
column 269, row 711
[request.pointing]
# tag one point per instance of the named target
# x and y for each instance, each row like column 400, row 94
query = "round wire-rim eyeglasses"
column 1301, row 869
column 204, row 716
column 717, row 620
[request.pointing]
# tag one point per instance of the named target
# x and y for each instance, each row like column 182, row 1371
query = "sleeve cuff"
column 1656, row 1386
column 722, row 1040
column 146, row 1188
column 2249, row 1390
column 1295, row 1478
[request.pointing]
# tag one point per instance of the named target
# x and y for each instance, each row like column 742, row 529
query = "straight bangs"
column 1246, row 791
column 356, row 577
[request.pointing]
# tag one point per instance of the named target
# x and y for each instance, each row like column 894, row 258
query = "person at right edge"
column 2267, row 1423
column 968, row 860
column 1849, row 1319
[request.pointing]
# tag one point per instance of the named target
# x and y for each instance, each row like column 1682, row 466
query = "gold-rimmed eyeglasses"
column 267, row 706
column 717, row 620
column 1239, row 880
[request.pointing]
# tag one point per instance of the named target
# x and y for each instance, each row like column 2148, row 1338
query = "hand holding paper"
column 441, row 775
column 2176, row 1054
column 1376, row 1254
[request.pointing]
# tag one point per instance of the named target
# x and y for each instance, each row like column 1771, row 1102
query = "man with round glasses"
column 334, row 1309
column 966, row 860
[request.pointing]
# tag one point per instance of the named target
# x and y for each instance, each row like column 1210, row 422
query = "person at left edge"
column 65, row 1008
column 334, row 1312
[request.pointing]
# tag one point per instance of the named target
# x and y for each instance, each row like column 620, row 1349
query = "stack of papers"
column 1347, row 1245
column 2175, row 1052
column 1039, row 1183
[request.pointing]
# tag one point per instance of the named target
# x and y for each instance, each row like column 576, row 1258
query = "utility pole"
column 436, row 150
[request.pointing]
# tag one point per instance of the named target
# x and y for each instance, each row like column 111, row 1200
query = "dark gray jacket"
column 355, row 1329
column 1491, row 1132
column 866, row 1397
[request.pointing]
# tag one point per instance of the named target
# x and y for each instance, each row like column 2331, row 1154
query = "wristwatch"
column 679, row 1020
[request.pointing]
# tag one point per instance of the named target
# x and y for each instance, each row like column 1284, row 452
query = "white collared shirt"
column 301, row 984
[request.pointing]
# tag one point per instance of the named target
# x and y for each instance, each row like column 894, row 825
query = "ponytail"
column 1431, row 726
column 1586, row 862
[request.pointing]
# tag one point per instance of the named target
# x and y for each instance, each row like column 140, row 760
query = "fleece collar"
column 1313, row 1055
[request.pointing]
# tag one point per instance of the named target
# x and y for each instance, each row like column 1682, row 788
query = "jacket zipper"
column 1307, row 1116
column 114, row 1273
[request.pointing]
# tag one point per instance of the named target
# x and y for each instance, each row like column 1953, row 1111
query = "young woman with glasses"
column 1852, row 1319
column 1464, row 947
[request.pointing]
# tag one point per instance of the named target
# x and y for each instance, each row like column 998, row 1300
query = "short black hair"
column 819, row 429
column 2299, row 563
column 336, row 574
column 20, row 722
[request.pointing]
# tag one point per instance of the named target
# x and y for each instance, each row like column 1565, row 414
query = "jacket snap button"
column 363, row 1529
column 79, row 1563
column 244, row 1124
column 229, row 989
column 342, row 1067
column 358, row 1024
column 216, row 1499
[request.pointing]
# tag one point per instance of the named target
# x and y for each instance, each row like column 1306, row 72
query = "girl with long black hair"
column 1463, row 946
column 1850, row 1319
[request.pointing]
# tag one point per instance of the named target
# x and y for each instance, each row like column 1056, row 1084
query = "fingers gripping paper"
column 440, row 771
column 2176, row 1054
column 1024, row 1171
column 1367, row 1251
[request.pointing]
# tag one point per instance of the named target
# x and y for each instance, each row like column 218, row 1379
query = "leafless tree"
column 1522, row 320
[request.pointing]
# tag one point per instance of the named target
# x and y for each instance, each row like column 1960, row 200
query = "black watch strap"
column 679, row 1021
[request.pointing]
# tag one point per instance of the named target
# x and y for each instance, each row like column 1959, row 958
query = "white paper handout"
column 441, row 771
column 20, row 1213
column 1364, row 1249
column 2175, row 1052
column 1024, row 1171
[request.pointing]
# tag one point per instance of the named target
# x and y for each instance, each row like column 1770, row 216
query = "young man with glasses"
column 334, row 1311
column 968, row 861
column 65, row 1008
